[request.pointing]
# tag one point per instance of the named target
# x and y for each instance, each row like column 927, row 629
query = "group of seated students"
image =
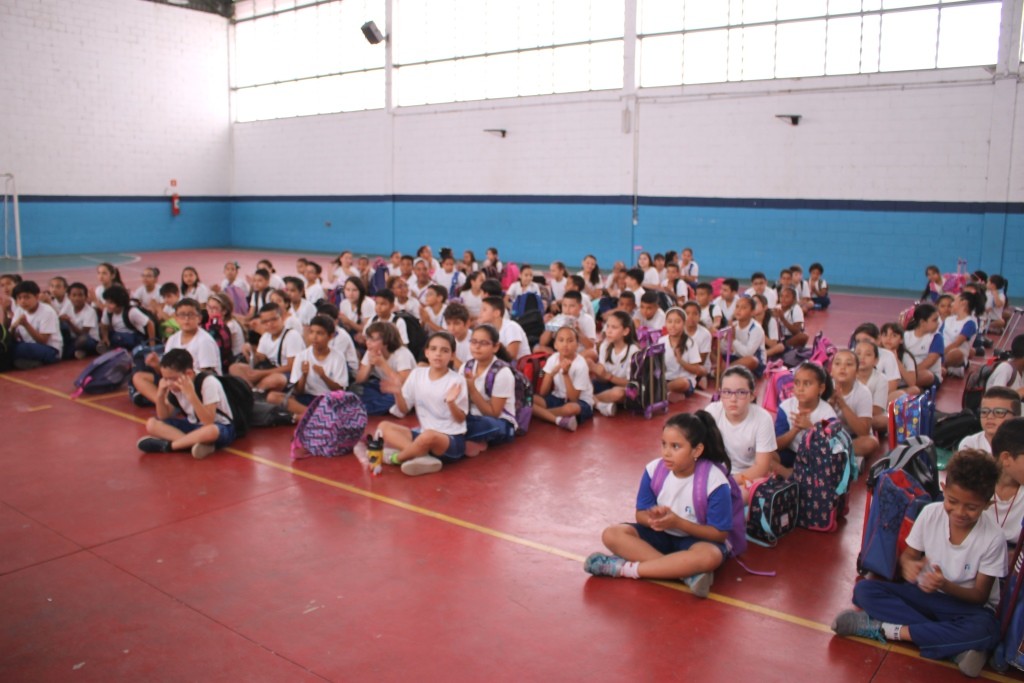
column 320, row 330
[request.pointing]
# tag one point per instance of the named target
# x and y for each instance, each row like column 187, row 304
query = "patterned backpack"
column 332, row 425
column 523, row 391
column 774, row 510
column 778, row 386
column 824, row 468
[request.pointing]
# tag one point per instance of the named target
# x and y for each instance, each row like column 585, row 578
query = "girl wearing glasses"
column 492, row 399
column 747, row 428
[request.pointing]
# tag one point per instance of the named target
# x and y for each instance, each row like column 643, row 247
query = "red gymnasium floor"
column 246, row 566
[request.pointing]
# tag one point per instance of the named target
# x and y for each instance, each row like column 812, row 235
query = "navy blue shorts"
column 227, row 431
column 586, row 410
column 304, row 399
column 456, row 445
column 666, row 543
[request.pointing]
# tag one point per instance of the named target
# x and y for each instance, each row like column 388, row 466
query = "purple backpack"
column 103, row 374
column 332, row 425
column 239, row 302
column 523, row 391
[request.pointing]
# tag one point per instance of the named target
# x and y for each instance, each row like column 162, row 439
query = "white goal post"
column 11, row 217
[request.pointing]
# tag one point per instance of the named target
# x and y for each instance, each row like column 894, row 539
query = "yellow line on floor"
column 102, row 397
column 501, row 535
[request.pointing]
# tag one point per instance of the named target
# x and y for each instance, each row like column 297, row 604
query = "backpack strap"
column 280, row 345
column 658, row 478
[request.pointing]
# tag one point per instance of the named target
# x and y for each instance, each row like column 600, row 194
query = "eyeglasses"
column 737, row 393
column 994, row 412
column 480, row 342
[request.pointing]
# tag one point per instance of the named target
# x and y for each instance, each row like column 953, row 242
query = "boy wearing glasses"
column 190, row 337
column 998, row 405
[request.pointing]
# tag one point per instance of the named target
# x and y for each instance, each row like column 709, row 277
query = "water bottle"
column 375, row 453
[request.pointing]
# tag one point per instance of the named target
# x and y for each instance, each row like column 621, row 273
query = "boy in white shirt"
column 651, row 316
column 317, row 370
column 953, row 559
column 57, row 296
column 998, row 405
column 191, row 337
column 82, row 324
column 404, row 302
column 511, row 334
column 270, row 365
column 36, row 329
column 688, row 268
column 384, row 311
column 420, row 281
column 456, row 322
column 1010, row 372
column 571, row 315
column 759, row 285
column 726, row 301
column 209, row 420
column 710, row 316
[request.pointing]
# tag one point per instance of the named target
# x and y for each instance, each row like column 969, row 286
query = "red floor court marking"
column 494, row 533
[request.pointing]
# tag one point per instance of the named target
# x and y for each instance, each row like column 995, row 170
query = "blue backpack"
column 894, row 503
column 1010, row 650
column 528, row 301
column 104, row 374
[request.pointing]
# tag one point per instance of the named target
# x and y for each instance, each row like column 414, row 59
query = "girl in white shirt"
column 610, row 366
column 192, row 288
column 343, row 268
column 683, row 364
column 594, row 284
column 108, row 275
column 924, row 344
column 566, row 395
column 472, row 295
column 355, row 309
column 812, row 387
column 851, row 401
column 652, row 280
column 878, row 387
column 441, row 401
column 492, row 414
column 958, row 332
column 149, row 293
column 559, row 276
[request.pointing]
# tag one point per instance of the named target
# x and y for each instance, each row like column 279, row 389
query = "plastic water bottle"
column 375, row 453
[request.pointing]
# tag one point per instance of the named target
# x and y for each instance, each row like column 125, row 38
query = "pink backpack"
column 823, row 351
column 509, row 275
column 332, row 425
column 778, row 386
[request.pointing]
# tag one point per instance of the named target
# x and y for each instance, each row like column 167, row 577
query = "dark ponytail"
column 921, row 313
column 700, row 428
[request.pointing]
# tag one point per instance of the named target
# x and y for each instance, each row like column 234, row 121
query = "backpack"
column 822, row 351
column 951, row 430
column 910, row 416
column 266, row 414
column 977, row 379
column 509, row 275
column 218, row 329
column 239, row 301
column 532, row 323
column 6, row 349
column 894, row 502
column 525, row 302
column 414, row 330
column 778, row 386
column 332, row 425
column 824, row 468
column 917, row 457
column 135, row 303
column 103, row 374
column 736, row 542
column 379, row 279
column 238, row 394
column 531, row 366
column 523, row 391
column 1010, row 650
column 773, row 510
column 716, row 288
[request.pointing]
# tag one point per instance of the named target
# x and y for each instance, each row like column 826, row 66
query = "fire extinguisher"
column 175, row 204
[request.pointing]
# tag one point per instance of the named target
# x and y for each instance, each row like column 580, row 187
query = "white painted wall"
column 113, row 97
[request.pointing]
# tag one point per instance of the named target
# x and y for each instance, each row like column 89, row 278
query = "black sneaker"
column 151, row 444
column 26, row 363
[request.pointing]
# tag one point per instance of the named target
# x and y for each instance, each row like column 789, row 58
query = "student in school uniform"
column 456, row 323
column 511, row 334
column 82, row 323
column 123, row 324
column 759, row 285
column 384, row 311
column 998, row 405
column 36, row 329
column 295, row 289
column 318, row 369
column 269, row 366
column 725, row 303
column 651, row 316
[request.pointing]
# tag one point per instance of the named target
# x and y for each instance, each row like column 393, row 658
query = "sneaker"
column 568, row 423
column 361, row 452
column 955, row 372
column 80, row 355
column 853, row 622
column 201, row 450
column 600, row 564
column 140, row 401
column 425, row 464
column 151, row 444
column 700, row 584
column 606, row 409
column 396, row 412
column 26, row 363
column 970, row 662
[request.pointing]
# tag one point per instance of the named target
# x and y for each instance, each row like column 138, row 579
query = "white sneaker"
column 425, row 464
column 396, row 412
column 606, row 409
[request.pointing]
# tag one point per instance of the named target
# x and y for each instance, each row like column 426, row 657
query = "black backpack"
column 239, row 395
column 6, row 349
column 532, row 323
column 135, row 303
column 417, row 337
column 974, row 385
column 951, row 430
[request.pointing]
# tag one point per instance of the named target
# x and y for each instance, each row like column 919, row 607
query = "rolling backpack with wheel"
column 647, row 390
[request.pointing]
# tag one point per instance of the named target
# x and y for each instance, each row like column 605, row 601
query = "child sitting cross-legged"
column 318, row 369
column 954, row 556
column 208, row 423
column 667, row 541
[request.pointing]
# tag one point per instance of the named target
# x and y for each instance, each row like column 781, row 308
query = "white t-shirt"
column 462, row 349
column 920, row 347
column 1005, row 376
column 86, row 319
column 237, row 336
column 504, row 387
column 445, row 280
column 472, row 302
column 690, row 354
column 288, row 344
column 512, row 332
column 888, row 365
column 978, row 441
column 314, row 292
column 587, row 328
column 64, row 307
column 619, row 362
column 210, row 392
column 366, row 311
column 708, row 314
column 953, row 328
column 1007, row 515
column 690, row 269
column 416, row 289
column 516, row 289
column 655, row 323
column 879, row 389
column 145, row 297
column 859, row 399
column 334, row 366
column 204, row 350
column 651, row 277
column 703, row 339
column 200, row 293
column 137, row 318
column 44, row 319
column 436, row 317
column 399, row 323
column 790, row 407
column 749, row 341
column 725, row 309
column 343, row 344
column 677, row 493
column 305, row 311
column 794, row 316
column 400, row 361
column 743, row 441
column 341, row 274
column 578, row 373
column 428, row 397
column 411, row 306
column 557, row 288
column 768, row 293
column 982, row 552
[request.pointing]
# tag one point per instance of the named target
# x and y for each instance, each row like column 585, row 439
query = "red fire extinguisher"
column 175, row 204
